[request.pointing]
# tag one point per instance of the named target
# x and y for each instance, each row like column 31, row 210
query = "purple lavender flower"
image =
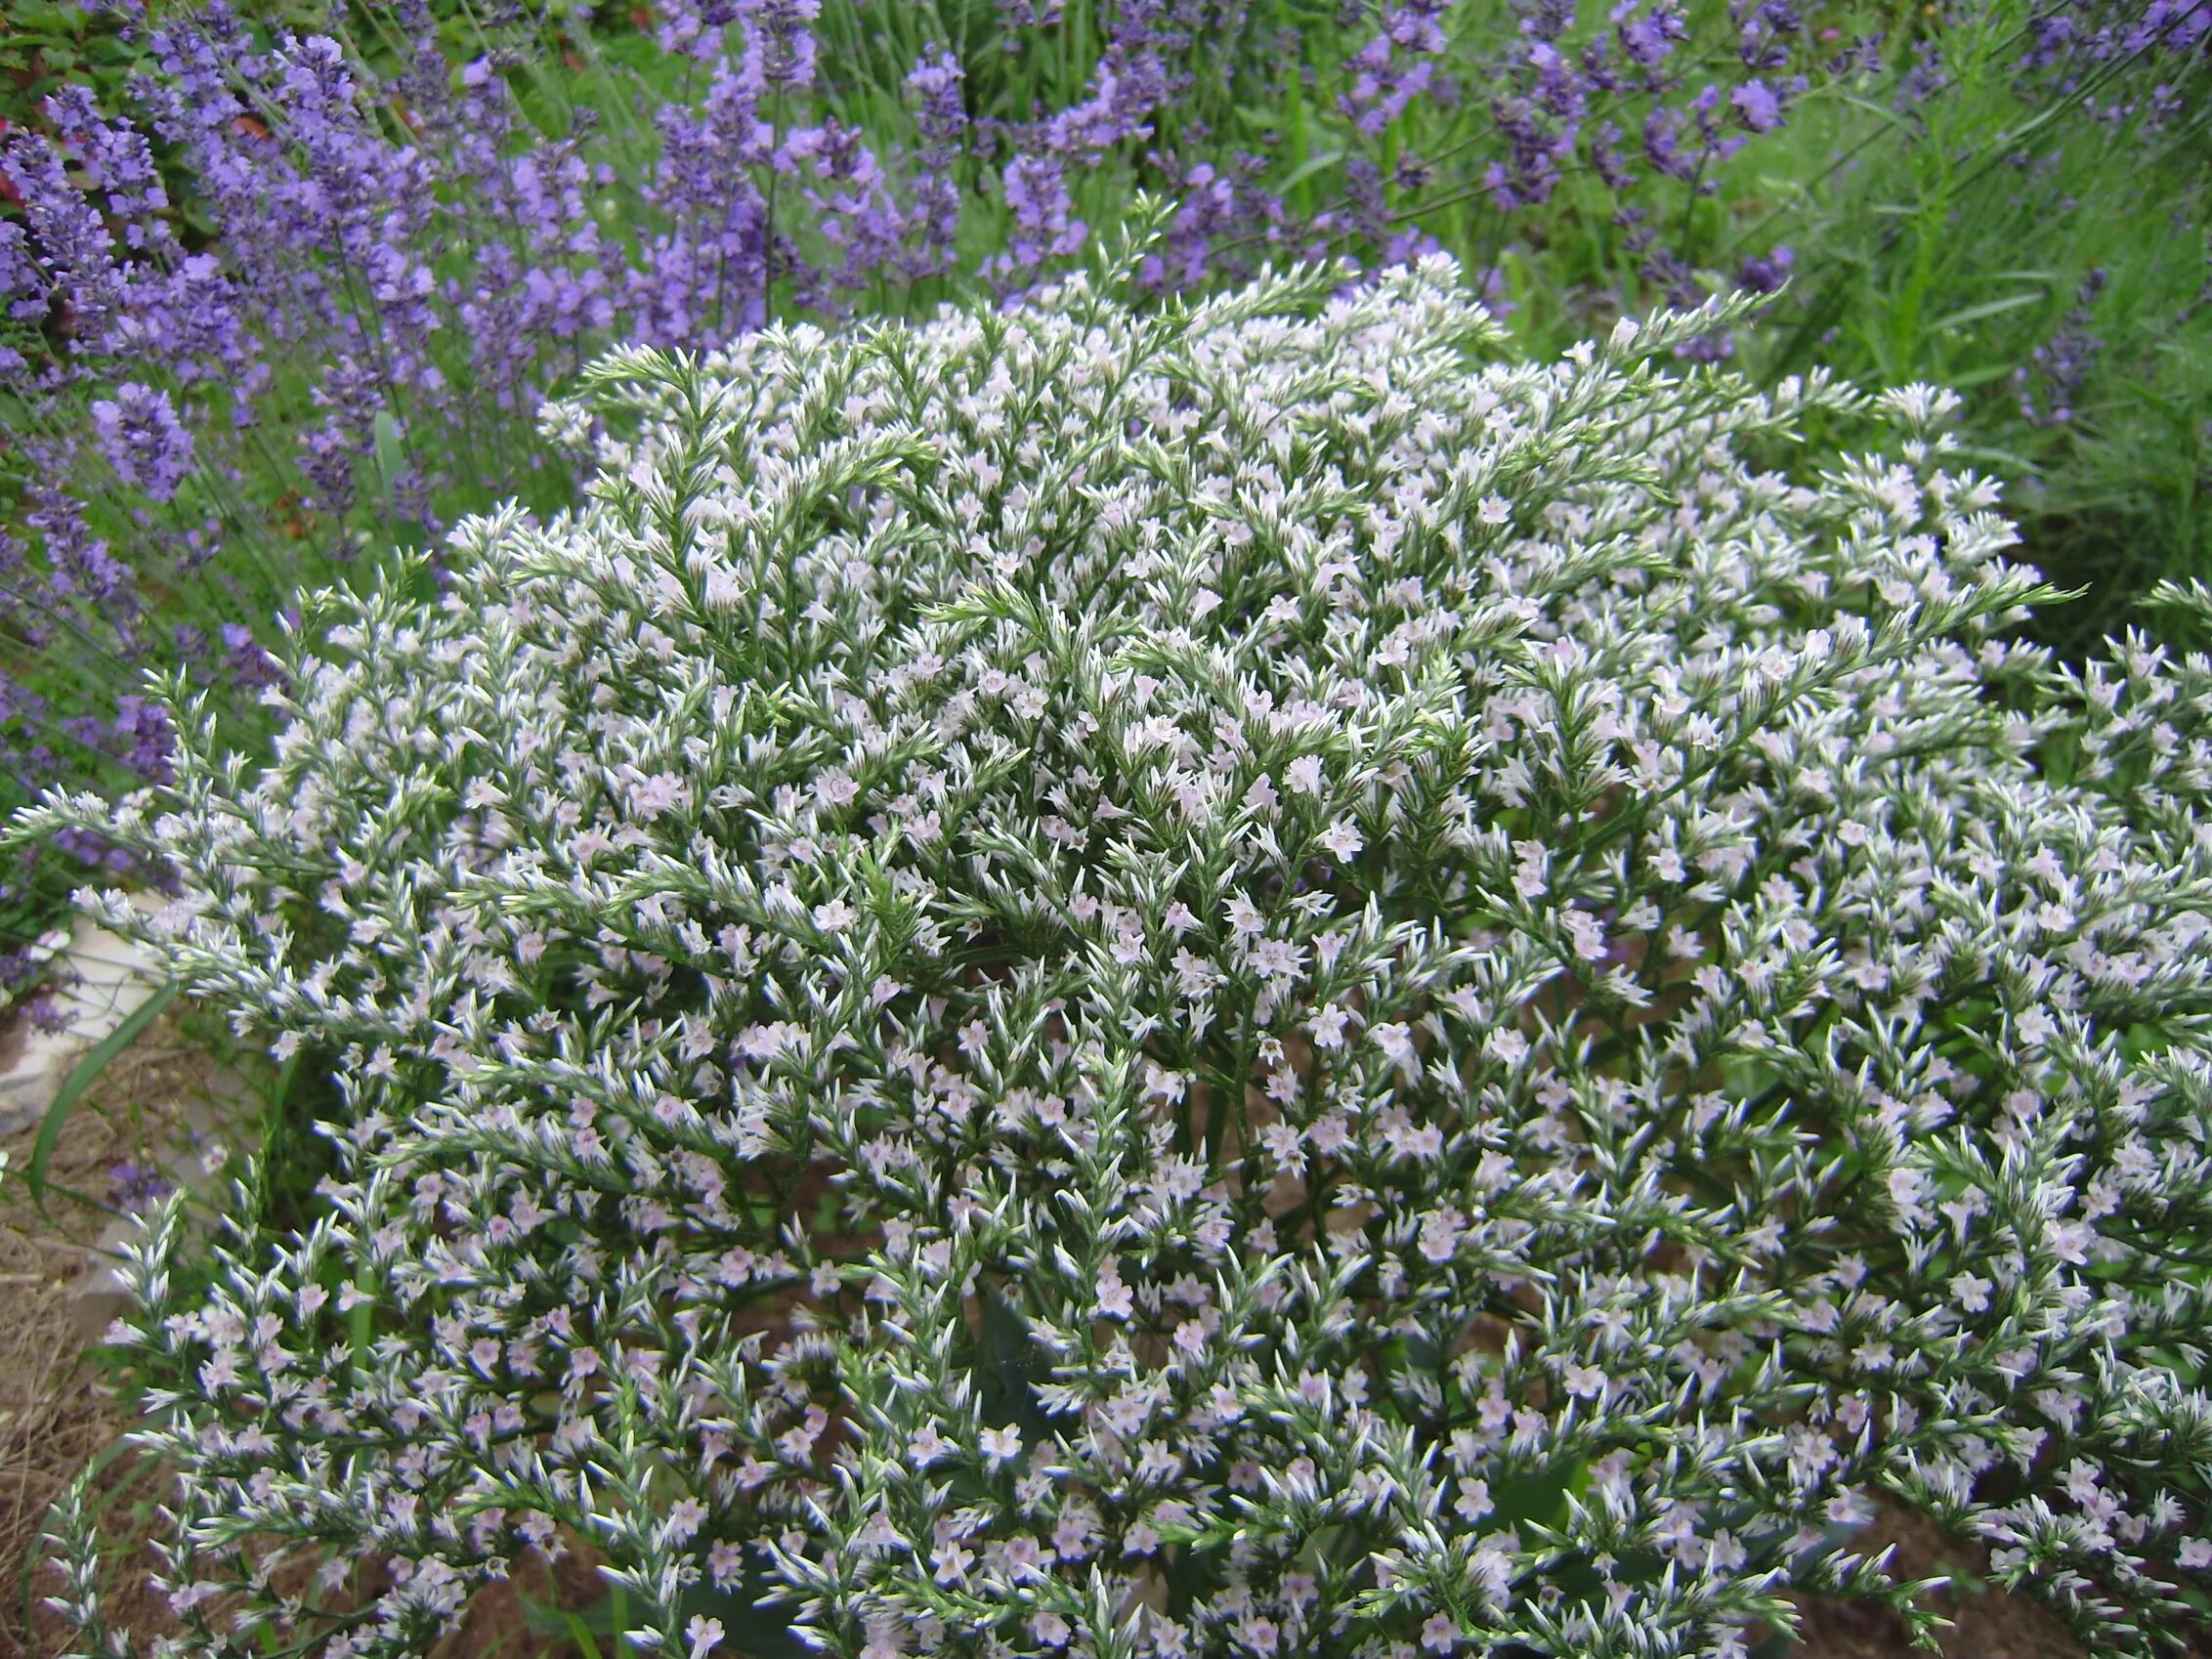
column 2070, row 37
column 134, row 1186
column 1765, row 273
column 22, row 285
column 2051, row 382
column 249, row 666
column 1662, row 144
column 1545, row 19
column 1764, row 27
column 1606, row 158
column 46, row 1014
column 1758, row 106
column 118, row 163
column 705, row 276
column 1114, row 113
column 694, row 29
column 1036, row 196
column 1362, row 212
column 779, row 46
column 856, row 212
column 83, row 576
column 143, row 440
column 186, row 322
column 351, row 393
column 1215, row 208
column 76, row 262
column 1924, row 80
column 941, row 121
column 1396, row 66
column 1649, row 39
column 138, row 735
column 1859, row 59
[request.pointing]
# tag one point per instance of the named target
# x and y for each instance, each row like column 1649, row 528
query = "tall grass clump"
column 1225, row 979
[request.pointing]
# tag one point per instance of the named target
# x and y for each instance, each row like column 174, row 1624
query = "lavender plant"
column 2046, row 200
column 1226, row 980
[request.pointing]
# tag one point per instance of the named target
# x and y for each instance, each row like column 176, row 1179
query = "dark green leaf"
column 1007, row 1356
column 764, row 1633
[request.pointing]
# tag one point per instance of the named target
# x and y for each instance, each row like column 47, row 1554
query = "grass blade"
column 81, row 1078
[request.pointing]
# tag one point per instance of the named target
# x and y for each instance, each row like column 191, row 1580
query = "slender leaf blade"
column 82, row 1076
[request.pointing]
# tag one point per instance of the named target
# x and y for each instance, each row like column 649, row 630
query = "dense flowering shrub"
column 293, row 286
column 1223, row 982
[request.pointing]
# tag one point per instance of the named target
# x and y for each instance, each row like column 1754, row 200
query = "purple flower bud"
column 1754, row 101
column 143, row 440
column 1395, row 66
column 1765, row 273
column 134, row 1186
column 75, row 258
column 1036, row 196
column 2051, row 381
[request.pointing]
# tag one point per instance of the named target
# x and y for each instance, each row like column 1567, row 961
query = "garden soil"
column 55, row 1416
column 1987, row 1623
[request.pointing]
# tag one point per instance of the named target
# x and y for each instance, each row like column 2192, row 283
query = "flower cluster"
column 1221, row 981
column 2081, row 46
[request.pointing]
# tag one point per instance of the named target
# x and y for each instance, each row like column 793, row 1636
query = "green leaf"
column 1880, row 112
column 99, row 1465
column 1746, row 1077
column 544, row 1618
column 1007, row 1355
column 765, row 1633
column 2144, row 1038
column 1327, row 158
column 391, row 461
column 581, row 1633
column 1989, row 308
column 81, row 1078
column 1538, row 1497
column 360, row 1333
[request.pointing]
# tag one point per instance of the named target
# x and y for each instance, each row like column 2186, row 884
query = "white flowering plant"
column 1235, row 979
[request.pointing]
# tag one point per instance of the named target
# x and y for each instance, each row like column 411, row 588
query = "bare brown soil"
column 55, row 1416
column 1987, row 1622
